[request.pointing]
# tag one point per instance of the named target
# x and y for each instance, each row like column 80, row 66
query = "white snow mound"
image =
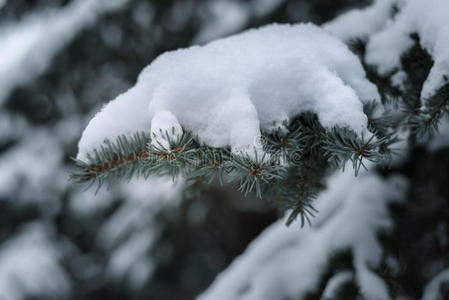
column 229, row 90
column 430, row 19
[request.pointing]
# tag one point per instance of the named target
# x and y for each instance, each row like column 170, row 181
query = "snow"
column 29, row 265
column 85, row 203
column 360, row 23
column 27, row 47
column 286, row 262
column 336, row 282
column 399, row 79
column 130, row 262
column 388, row 36
column 144, row 198
column 31, row 170
column 132, row 231
column 432, row 290
column 165, row 122
column 441, row 138
column 225, row 17
column 12, row 126
column 427, row 18
column 229, row 90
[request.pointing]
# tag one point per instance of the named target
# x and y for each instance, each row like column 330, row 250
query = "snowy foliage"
column 427, row 18
column 29, row 265
column 58, row 241
column 35, row 168
column 389, row 35
column 360, row 23
column 287, row 263
column 131, row 232
column 229, row 90
column 230, row 16
column 26, row 49
column 432, row 290
column 441, row 140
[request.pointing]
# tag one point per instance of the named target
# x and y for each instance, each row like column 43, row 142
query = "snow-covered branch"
column 27, row 48
column 286, row 263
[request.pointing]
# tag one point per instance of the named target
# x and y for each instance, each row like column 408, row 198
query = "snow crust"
column 285, row 262
column 430, row 19
column 26, row 48
column 229, row 90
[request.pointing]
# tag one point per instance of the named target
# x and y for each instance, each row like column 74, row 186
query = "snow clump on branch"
column 389, row 25
column 229, row 90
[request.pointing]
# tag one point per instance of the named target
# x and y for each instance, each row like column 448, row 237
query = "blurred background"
column 60, row 61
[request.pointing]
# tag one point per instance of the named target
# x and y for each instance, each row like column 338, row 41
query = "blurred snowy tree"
column 147, row 240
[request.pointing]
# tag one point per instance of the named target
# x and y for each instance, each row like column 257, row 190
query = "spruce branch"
column 343, row 144
column 113, row 161
column 298, row 190
column 211, row 164
column 425, row 123
column 302, row 206
column 381, row 125
column 388, row 92
column 176, row 159
column 255, row 174
column 290, row 168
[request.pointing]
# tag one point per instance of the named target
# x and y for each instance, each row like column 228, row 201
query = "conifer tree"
column 183, row 208
column 297, row 158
